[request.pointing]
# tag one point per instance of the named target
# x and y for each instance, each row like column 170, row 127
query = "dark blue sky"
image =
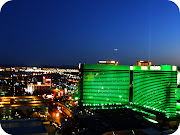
column 68, row 32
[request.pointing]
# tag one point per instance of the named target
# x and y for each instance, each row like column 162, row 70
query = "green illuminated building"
column 155, row 88
column 149, row 87
column 104, row 85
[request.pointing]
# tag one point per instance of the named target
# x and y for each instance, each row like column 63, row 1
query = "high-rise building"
column 103, row 85
column 144, row 87
column 154, row 87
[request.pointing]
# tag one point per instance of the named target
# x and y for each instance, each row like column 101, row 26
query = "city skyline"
column 71, row 32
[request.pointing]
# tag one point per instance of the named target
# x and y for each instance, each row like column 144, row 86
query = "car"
column 42, row 114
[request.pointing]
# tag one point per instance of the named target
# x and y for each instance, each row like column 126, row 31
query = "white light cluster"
column 102, row 61
column 144, row 67
column 155, row 67
column 174, row 68
column 131, row 67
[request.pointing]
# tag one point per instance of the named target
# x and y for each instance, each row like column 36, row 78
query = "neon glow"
column 103, row 84
column 155, row 90
column 153, row 121
column 148, row 87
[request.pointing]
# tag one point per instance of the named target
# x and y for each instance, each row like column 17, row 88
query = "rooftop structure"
column 144, row 63
column 107, row 63
column 22, row 127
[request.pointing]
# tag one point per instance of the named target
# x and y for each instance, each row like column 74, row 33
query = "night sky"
column 68, row 32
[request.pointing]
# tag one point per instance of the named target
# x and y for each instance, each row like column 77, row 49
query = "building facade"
column 104, row 85
column 154, row 87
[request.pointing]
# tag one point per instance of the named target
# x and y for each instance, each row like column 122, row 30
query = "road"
column 55, row 115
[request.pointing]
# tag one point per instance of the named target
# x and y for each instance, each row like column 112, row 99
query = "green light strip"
column 153, row 121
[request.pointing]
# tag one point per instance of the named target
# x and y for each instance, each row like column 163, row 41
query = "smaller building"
column 23, row 127
column 39, row 87
column 21, row 106
column 47, row 81
column 4, row 88
column 144, row 63
column 107, row 63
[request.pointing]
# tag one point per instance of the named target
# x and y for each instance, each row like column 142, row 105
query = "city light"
column 57, row 114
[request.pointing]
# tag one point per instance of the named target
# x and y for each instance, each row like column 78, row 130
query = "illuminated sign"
column 131, row 67
column 102, row 61
column 174, row 68
column 144, row 67
column 155, row 67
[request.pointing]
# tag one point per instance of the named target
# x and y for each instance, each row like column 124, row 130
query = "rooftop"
column 24, row 126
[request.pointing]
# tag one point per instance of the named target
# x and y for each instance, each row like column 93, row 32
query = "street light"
column 57, row 114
